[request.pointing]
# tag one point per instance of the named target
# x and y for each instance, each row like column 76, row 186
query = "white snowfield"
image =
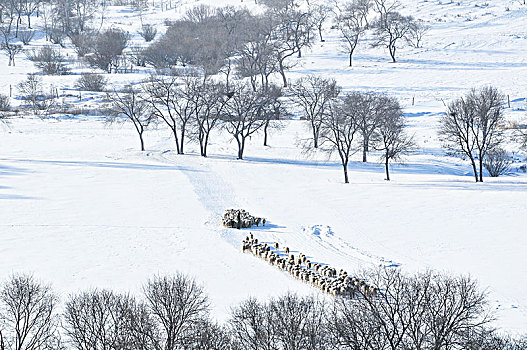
column 81, row 207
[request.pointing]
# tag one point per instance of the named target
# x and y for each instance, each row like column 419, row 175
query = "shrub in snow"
column 5, row 104
column 148, row 32
column 32, row 92
column 26, row 36
column 91, row 82
column 497, row 162
column 50, row 60
column 107, row 49
column 83, row 43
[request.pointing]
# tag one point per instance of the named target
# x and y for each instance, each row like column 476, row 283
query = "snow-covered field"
column 81, row 207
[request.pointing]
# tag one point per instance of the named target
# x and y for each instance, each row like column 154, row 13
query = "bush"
column 107, row 49
column 5, row 104
column 32, row 92
column 50, row 60
column 148, row 32
column 83, row 44
column 497, row 162
column 26, row 36
column 91, row 82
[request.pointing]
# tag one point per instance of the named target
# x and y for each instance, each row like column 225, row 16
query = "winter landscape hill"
column 81, row 206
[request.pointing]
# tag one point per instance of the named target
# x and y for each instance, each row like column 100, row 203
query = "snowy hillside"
column 81, row 207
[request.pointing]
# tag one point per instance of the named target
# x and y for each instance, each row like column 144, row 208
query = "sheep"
column 326, row 278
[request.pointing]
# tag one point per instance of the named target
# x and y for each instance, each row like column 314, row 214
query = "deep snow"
column 81, row 207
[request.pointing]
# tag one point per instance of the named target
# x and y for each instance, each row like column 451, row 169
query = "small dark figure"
column 263, row 222
column 239, row 223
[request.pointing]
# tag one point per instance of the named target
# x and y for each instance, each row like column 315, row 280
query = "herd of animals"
column 239, row 218
column 324, row 277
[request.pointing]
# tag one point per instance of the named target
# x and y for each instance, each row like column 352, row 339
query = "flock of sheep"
column 327, row 278
column 239, row 218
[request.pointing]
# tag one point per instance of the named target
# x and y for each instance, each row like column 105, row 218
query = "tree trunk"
column 142, row 142
column 265, row 133
column 351, row 60
column 345, row 168
column 392, row 52
column 387, row 169
column 474, row 168
column 480, row 169
column 241, row 145
column 282, row 73
column 315, row 139
column 182, row 139
column 364, row 150
column 178, row 149
column 204, row 145
column 320, row 34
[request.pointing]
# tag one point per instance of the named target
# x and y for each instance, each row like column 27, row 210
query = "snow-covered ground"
column 81, row 207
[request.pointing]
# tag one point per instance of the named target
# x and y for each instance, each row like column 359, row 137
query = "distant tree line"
column 194, row 108
column 424, row 311
column 226, row 39
column 203, row 60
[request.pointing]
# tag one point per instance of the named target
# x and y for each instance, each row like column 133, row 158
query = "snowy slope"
column 81, row 207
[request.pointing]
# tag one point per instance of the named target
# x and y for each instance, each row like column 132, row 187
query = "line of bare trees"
column 345, row 123
column 389, row 28
column 194, row 108
column 423, row 311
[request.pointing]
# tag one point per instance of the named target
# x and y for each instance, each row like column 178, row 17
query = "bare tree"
column 416, row 33
column 257, row 52
column 456, row 306
column 251, row 326
column 72, row 17
column 369, row 108
column 162, row 95
column 293, row 33
column 8, row 45
column 390, row 29
column 320, row 13
column 298, row 322
column 389, row 135
column 472, row 125
column 383, row 7
column 130, row 105
column 352, row 23
column 273, row 110
column 313, row 94
column 27, row 314
column 352, row 327
column 207, row 103
column 245, row 114
column 338, row 129
column 101, row 320
column 178, row 304
column 210, row 336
